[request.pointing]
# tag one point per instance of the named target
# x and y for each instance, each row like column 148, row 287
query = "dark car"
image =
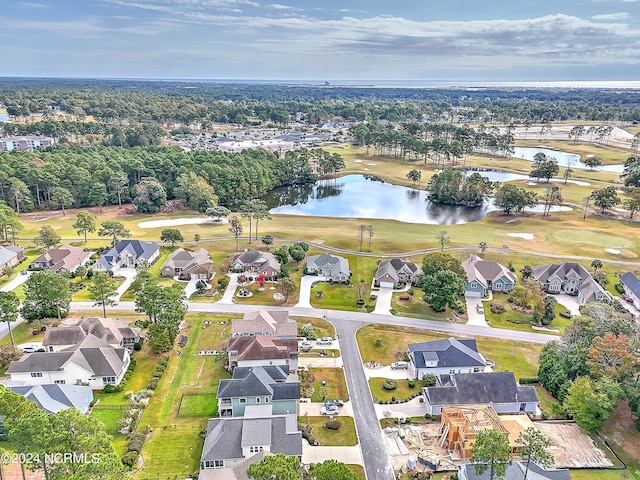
column 334, row 403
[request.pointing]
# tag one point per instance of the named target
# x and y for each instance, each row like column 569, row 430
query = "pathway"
column 305, row 289
column 383, row 302
column 474, row 317
column 227, row 297
column 16, row 282
column 129, row 275
column 341, row 454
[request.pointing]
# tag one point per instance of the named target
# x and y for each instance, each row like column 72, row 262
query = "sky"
column 329, row 40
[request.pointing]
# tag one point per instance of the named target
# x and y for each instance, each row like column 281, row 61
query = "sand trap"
column 614, row 251
column 371, row 164
column 366, row 169
column 177, row 221
column 525, row 236
column 358, row 161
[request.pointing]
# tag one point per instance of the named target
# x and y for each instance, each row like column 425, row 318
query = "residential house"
column 230, row 441
column 257, row 262
column 570, row 278
column 53, row 398
column 445, row 356
column 396, row 273
column 631, row 286
column 92, row 362
column 516, row 471
column 262, row 350
column 64, row 259
column 498, row 389
column 484, row 277
column 112, row 331
column 128, row 254
column 9, row 144
column 332, row 267
column 273, row 386
column 271, row 323
column 10, row 256
column 187, row 265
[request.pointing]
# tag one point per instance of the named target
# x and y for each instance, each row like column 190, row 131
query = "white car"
column 304, row 345
column 325, row 341
column 331, row 410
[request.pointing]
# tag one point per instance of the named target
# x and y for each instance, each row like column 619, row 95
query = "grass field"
column 402, row 392
column 335, row 385
column 517, row 357
column 513, row 320
column 198, row 405
column 345, row 437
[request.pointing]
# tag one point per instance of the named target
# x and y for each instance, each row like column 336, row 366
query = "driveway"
column 306, row 282
column 383, row 302
column 129, row 275
column 190, row 289
column 388, row 372
column 570, row 303
column 313, row 409
column 341, row 454
column 412, row 408
column 16, row 282
column 227, row 297
column 475, row 318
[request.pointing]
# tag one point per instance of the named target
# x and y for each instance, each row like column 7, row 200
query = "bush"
column 379, row 342
column 389, row 385
column 136, row 442
column 429, row 379
column 109, row 389
column 411, row 383
column 333, row 424
column 619, row 288
column 497, row 307
column 137, row 346
column 130, row 459
column 526, row 380
column 153, row 383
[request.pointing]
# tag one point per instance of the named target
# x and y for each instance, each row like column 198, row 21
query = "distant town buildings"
column 9, row 144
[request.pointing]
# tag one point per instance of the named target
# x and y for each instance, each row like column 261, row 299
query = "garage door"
column 386, row 284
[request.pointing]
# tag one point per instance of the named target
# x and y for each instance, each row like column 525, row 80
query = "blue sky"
column 450, row 40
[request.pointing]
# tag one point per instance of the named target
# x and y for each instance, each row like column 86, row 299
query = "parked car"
column 306, row 345
column 480, row 308
column 399, row 365
column 325, row 341
column 334, row 410
column 334, row 403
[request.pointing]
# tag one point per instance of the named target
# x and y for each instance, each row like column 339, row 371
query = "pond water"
column 499, row 176
column 360, row 196
column 527, row 153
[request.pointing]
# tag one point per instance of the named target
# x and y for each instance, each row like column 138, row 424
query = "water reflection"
column 527, row 153
column 357, row 196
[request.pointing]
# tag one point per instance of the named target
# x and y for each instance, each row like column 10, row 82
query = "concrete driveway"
column 570, row 303
column 388, row 372
column 190, row 288
column 304, row 300
column 129, row 275
column 412, row 408
column 341, row 454
column 227, row 297
column 383, row 302
column 16, row 282
column 475, row 318
column 313, row 409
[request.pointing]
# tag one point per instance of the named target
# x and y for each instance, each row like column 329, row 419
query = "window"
column 498, row 285
column 36, row 374
column 255, row 449
column 59, row 382
column 242, row 400
column 258, row 400
column 109, row 380
column 214, row 464
column 266, row 399
column 452, row 371
column 474, row 284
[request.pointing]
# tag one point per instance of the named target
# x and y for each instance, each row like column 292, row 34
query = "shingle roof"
column 6, row 255
column 187, row 260
column 258, row 259
column 516, row 471
column 395, row 266
column 447, row 352
column 53, row 398
column 485, row 272
column 631, row 282
column 481, row 388
column 66, row 257
column 338, row 264
column 96, row 327
column 589, row 287
column 226, row 436
column 275, row 323
column 137, row 248
column 260, row 381
column 263, row 347
column 63, row 336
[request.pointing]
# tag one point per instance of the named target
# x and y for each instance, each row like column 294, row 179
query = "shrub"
column 497, row 307
column 130, row 459
column 137, row 346
column 333, row 424
column 136, row 442
column 389, row 385
column 429, row 379
column 526, row 380
column 109, row 389
column 379, row 342
column 153, row 383
column 619, row 288
column 411, row 383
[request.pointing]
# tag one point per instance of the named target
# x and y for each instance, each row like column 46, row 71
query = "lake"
column 363, row 196
column 527, row 153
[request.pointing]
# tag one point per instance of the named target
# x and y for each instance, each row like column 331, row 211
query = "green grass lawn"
column 357, row 470
column 513, row 320
column 518, row 357
column 198, row 405
column 22, row 334
column 402, row 392
column 28, row 258
column 344, row 437
column 109, row 417
column 259, row 297
column 333, row 353
column 321, row 327
column 334, row 296
column 334, row 388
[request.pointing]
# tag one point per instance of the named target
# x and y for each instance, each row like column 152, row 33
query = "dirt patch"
column 111, row 211
column 571, row 447
column 620, row 429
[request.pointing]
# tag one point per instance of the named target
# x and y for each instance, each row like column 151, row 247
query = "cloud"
column 32, row 5
column 278, row 6
column 612, row 16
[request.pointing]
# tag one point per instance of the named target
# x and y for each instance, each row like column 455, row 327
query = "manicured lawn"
column 518, row 357
column 546, row 399
column 264, row 297
column 321, row 327
column 109, row 417
column 333, row 353
column 29, row 257
column 601, row 474
column 22, row 334
column 83, row 295
column 357, row 470
column 416, row 306
column 336, row 296
column 335, row 386
column 513, row 320
column 402, row 392
column 198, row 405
column 344, row 437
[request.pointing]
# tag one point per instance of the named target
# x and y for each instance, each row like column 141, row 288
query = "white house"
column 631, row 286
column 333, row 267
column 92, row 362
column 128, row 254
column 446, row 356
column 570, row 278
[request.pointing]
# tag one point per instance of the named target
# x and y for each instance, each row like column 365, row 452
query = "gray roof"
column 485, row 272
column 226, row 436
column 187, row 260
column 138, row 249
column 589, row 287
column 256, row 258
column 448, row 352
column 53, row 398
column 338, row 264
column 260, row 381
column 632, row 283
column 92, row 354
column 395, row 266
column 481, row 388
column 6, row 255
column 63, row 336
column 516, row 470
